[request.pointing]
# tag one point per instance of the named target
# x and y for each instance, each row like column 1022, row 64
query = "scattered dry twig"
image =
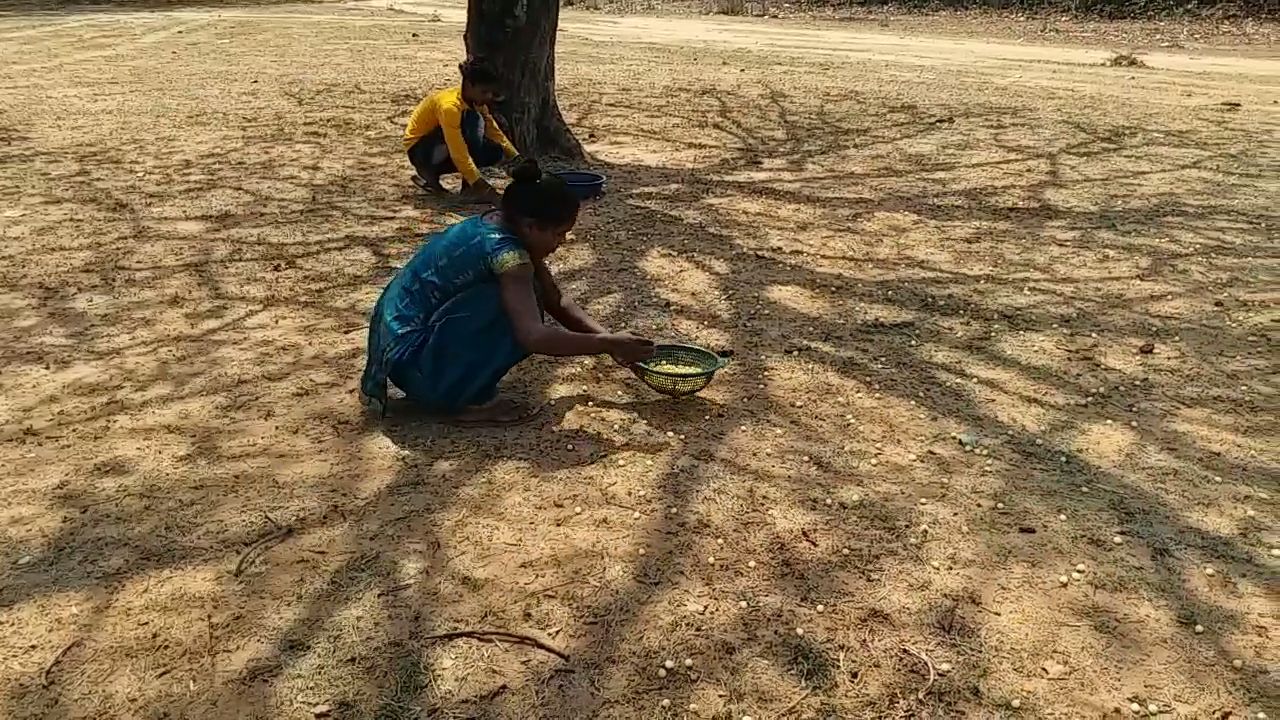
column 783, row 712
column 116, row 498
column 517, row 638
column 397, row 588
column 541, row 590
column 45, row 679
column 276, row 536
column 933, row 675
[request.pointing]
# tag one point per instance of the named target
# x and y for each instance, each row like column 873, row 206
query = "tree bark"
column 519, row 38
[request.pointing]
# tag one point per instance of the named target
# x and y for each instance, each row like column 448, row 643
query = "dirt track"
column 905, row 240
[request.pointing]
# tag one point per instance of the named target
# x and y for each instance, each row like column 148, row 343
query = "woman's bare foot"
column 499, row 411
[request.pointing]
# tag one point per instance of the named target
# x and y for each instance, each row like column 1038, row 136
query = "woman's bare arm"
column 564, row 310
column 521, row 304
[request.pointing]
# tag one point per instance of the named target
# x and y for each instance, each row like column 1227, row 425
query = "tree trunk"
column 519, row 38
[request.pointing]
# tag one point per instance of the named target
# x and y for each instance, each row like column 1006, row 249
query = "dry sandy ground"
column 902, row 241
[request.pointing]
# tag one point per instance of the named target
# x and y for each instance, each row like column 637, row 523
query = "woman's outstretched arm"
column 566, row 312
column 521, row 304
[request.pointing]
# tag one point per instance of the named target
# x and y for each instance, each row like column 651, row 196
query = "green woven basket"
column 679, row 370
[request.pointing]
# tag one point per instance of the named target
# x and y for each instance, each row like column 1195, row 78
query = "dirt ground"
column 936, row 261
column 1214, row 29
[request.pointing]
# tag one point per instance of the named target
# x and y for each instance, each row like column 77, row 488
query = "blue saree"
column 439, row 331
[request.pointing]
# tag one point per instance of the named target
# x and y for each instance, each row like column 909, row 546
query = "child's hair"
column 478, row 71
column 543, row 199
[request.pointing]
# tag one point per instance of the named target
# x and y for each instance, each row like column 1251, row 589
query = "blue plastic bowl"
column 585, row 184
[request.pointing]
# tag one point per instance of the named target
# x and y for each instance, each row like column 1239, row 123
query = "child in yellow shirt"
column 453, row 131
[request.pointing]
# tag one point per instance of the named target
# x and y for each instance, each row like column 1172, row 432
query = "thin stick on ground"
column 792, row 705
column 117, row 498
column 517, row 638
column 933, row 675
column 276, row 536
column 45, row 679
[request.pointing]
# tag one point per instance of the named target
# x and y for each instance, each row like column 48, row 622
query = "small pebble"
column 742, row 604
column 820, row 608
column 1199, row 629
column 1080, row 567
column 1063, row 579
column 635, row 516
column 1153, row 708
column 662, row 672
column 577, row 511
column 1062, row 517
column 640, row 551
column 1117, row 540
column 751, row 563
column 944, row 667
column 1077, row 576
column 1209, row 571
column 669, row 664
column 688, row 662
column 1237, row 663
column 711, row 560
column 1135, row 707
column 999, row 506
column 1015, row 703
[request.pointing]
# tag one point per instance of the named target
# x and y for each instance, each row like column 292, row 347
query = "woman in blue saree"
column 469, row 306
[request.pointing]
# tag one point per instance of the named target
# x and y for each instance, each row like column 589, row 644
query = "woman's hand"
column 628, row 349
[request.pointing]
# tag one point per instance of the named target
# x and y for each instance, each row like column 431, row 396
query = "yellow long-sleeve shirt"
column 444, row 110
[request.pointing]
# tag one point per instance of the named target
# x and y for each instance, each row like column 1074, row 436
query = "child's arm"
column 494, row 133
column 451, row 126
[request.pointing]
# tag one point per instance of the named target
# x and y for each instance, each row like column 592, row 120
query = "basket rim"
column 720, row 361
column 590, row 177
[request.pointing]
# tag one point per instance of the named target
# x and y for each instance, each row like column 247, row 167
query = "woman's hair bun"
column 526, row 171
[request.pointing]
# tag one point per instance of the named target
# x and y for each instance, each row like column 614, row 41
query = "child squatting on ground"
column 469, row 306
column 454, row 131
